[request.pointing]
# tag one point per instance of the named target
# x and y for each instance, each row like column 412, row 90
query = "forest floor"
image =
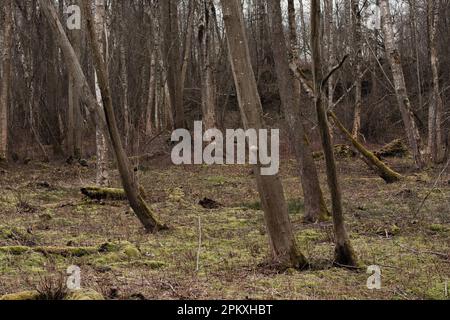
column 41, row 206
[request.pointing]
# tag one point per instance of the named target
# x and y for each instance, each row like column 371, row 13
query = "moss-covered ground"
column 41, row 207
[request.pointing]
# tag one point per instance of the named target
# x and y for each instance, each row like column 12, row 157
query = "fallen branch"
column 97, row 193
column 386, row 173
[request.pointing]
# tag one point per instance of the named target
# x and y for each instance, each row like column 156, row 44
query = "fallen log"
column 97, row 193
column 386, row 173
column 126, row 248
column 62, row 251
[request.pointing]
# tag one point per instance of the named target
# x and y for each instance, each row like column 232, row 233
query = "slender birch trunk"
column 394, row 58
column 102, row 146
column 357, row 58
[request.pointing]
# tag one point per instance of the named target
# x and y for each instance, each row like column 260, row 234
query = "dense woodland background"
column 359, row 90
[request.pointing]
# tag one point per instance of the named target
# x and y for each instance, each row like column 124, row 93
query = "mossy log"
column 35, row 295
column 125, row 247
column 386, row 173
column 97, row 193
column 61, row 251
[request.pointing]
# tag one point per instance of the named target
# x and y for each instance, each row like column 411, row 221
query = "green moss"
column 153, row 264
column 437, row 292
column 217, row 180
column 438, row 228
column 23, row 296
column 84, row 295
column 295, row 206
column 131, row 251
column 14, row 250
column 309, row 235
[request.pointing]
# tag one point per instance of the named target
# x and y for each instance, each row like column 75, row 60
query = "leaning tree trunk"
column 282, row 241
column 6, row 77
column 394, row 58
column 108, row 123
column 344, row 254
column 315, row 208
column 436, row 106
column 129, row 183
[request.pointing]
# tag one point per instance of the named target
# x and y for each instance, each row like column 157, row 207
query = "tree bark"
column 357, row 58
column 394, row 58
column 206, row 38
column 171, row 57
column 315, row 208
column 102, row 178
column 6, row 77
column 344, row 254
column 436, row 106
column 282, row 241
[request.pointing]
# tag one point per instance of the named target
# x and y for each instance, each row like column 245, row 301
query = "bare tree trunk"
column 304, row 31
column 6, row 77
column 344, row 254
column 294, row 49
column 206, row 33
column 394, row 58
column 101, row 143
column 125, row 104
column 187, row 45
column 315, row 208
column 150, row 122
column 357, row 58
column 436, row 106
column 74, row 121
column 282, row 241
column 171, row 56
